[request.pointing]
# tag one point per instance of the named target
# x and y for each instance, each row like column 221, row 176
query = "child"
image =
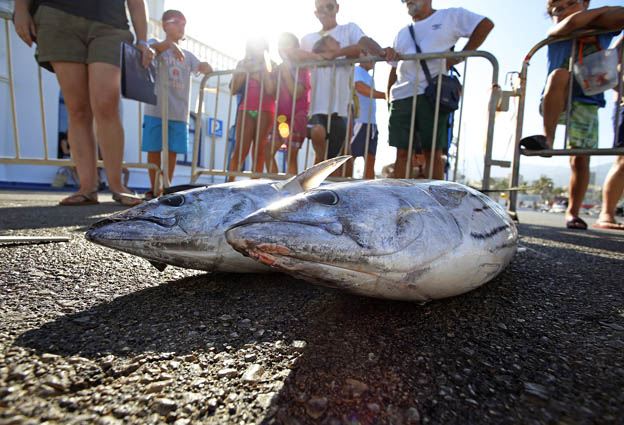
column 180, row 64
column 326, row 46
column 290, row 91
column 255, row 118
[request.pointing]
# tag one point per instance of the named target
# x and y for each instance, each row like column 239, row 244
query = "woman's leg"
column 243, row 141
column 266, row 121
column 270, row 149
column 293, row 166
column 74, row 82
column 104, row 85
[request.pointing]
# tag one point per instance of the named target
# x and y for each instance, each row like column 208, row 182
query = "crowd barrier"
column 515, row 174
column 306, row 154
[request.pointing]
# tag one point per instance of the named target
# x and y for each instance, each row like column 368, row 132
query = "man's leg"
column 74, row 82
column 554, row 102
column 153, row 158
column 612, row 191
column 400, row 164
column 319, row 142
column 104, row 83
column 438, row 164
column 369, row 167
column 579, row 180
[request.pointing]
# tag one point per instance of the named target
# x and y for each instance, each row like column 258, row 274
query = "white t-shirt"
column 345, row 35
column 437, row 33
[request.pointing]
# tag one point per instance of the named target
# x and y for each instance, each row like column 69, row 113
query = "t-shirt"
column 345, row 35
column 179, row 84
column 559, row 57
column 363, row 76
column 111, row 12
column 285, row 99
column 437, row 33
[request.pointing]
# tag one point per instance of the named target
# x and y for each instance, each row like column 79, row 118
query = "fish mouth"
column 116, row 227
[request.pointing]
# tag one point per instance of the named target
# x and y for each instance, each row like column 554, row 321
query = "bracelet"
column 143, row 42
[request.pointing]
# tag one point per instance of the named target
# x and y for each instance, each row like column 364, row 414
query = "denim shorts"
column 178, row 138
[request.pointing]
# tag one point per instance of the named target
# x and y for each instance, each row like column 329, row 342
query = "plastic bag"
column 597, row 72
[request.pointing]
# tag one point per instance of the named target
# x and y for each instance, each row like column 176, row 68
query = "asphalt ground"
column 91, row 335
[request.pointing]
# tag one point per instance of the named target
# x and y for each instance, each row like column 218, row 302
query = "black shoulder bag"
column 451, row 87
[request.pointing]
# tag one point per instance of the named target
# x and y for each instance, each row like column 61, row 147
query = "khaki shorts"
column 63, row 37
column 583, row 129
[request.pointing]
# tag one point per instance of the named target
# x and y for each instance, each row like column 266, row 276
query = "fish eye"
column 172, row 201
column 325, row 197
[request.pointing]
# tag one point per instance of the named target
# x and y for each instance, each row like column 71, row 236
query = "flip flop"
column 535, row 143
column 80, row 199
column 608, row 225
column 576, row 223
column 127, row 199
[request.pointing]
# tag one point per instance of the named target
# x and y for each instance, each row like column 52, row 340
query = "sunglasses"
column 175, row 21
column 329, row 7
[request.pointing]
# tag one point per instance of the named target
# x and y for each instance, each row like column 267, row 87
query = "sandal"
column 80, row 199
column 576, row 223
column 535, row 143
column 127, row 199
column 608, row 225
column 149, row 195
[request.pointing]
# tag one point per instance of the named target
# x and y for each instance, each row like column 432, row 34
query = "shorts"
column 152, row 135
column 63, row 37
column 583, row 128
column 358, row 142
column 399, row 125
column 619, row 143
column 338, row 132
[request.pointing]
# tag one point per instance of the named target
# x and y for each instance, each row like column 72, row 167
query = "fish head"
column 184, row 228
column 357, row 228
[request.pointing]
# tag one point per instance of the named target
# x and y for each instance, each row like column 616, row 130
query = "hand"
column 24, row 26
column 451, row 62
column 390, row 54
column 147, row 56
column 176, row 51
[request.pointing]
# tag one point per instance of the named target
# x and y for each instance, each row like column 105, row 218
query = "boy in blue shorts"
column 180, row 63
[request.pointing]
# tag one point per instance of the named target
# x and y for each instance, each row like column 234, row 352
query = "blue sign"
column 217, row 129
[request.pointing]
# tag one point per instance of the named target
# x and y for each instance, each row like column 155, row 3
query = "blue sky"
column 519, row 25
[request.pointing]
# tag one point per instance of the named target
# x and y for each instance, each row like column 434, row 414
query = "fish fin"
column 311, row 177
column 159, row 266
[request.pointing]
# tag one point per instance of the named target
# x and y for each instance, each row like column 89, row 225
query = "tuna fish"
column 187, row 229
column 396, row 239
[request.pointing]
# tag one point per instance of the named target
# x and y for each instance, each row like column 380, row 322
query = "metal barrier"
column 515, row 175
column 334, row 65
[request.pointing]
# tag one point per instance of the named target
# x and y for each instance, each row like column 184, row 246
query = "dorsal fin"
column 311, row 177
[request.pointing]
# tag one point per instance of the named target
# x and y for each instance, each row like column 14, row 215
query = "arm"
column 374, row 49
column 351, row 52
column 300, row 55
column 365, row 90
column 138, row 14
column 290, row 82
column 205, row 68
column 478, row 36
column 24, row 25
column 162, row 46
column 603, row 17
column 391, row 80
column 238, row 78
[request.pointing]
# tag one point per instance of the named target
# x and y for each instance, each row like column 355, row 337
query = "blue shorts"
column 152, row 135
column 358, row 142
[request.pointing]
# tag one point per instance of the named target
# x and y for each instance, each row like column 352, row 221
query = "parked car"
column 557, row 208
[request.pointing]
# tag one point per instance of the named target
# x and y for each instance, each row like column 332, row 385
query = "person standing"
column 366, row 122
column 326, row 86
column 180, row 64
column 81, row 44
column 434, row 31
column 569, row 16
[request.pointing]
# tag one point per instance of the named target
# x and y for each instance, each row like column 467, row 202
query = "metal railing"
column 515, row 175
column 305, row 155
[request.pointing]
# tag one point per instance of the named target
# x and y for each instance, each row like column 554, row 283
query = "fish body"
column 187, row 229
column 397, row 239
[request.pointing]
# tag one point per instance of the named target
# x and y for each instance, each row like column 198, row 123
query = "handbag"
column 596, row 72
column 137, row 83
column 450, row 92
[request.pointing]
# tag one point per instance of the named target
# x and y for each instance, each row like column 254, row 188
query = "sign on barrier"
column 216, row 129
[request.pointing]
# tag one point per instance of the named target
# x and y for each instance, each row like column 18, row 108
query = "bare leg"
column 243, row 142
column 73, row 79
column 400, row 164
column 319, row 142
column 438, row 164
column 579, row 180
column 369, row 167
column 612, row 191
column 104, row 82
column 555, row 101
column 153, row 158
column 293, row 166
column 266, row 121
